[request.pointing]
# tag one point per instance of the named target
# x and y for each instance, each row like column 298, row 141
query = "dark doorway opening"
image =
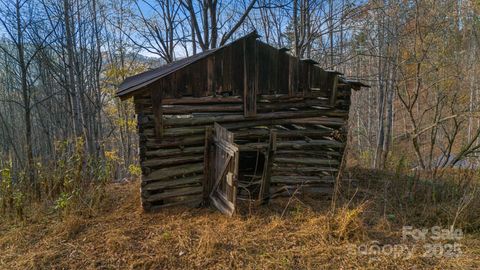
column 250, row 172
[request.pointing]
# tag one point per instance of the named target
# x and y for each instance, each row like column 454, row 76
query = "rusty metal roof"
column 136, row 82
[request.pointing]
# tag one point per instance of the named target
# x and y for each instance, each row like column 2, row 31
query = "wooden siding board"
column 282, row 73
column 250, row 78
column 157, row 111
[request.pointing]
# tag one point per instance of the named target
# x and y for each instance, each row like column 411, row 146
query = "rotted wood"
column 289, row 170
column 298, row 179
column 194, row 130
column 250, row 71
column 324, row 121
column 162, row 162
column 172, row 142
column 333, row 93
column 308, row 103
column 177, row 132
column 157, row 112
column 310, row 153
column 174, row 171
column 169, row 184
column 187, row 191
column 264, row 193
column 143, row 101
column 307, row 161
column 262, row 106
column 175, row 152
column 264, row 133
column 224, row 170
column 207, row 154
column 201, row 100
column 237, row 118
column 186, row 109
column 293, row 144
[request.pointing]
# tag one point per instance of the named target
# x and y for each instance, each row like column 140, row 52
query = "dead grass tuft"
column 348, row 223
column 71, row 227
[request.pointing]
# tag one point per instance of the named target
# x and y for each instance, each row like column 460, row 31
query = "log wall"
column 250, row 88
column 310, row 133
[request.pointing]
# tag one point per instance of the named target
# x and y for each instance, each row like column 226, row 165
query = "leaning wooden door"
column 223, row 160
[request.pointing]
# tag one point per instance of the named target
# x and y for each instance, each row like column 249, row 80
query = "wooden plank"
column 273, row 73
column 206, row 183
column 237, row 69
column 160, row 185
column 333, row 94
column 157, row 111
column 175, row 171
column 298, row 179
column 283, row 72
column 162, row 162
column 201, row 100
column 264, row 193
column 211, row 75
column 174, row 193
column 175, row 152
column 282, row 170
column 224, row 170
column 263, row 116
column 293, row 78
column 185, row 141
column 185, row 109
column 294, row 145
column 177, row 133
column 250, row 77
column 307, row 161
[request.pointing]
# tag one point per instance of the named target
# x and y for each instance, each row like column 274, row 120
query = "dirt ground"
column 290, row 234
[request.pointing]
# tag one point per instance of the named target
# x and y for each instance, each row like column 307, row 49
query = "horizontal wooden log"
column 170, row 172
column 143, row 100
column 221, row 101
column 177, row 132
column 280, row 97
column 238, row 118
column 162, row 162
column 310, row 153
column 183, row 131
column 184, row 109
column 168, row 184
column 302, row 180
column 175, row 152
column 294, row 145
column 264, row 133
column 307, row 161
column 201, row 100
column 288, row 170
column 301, row 104
column 225, row 108
column 187, row 191
column 324, row 121
column 172, row 142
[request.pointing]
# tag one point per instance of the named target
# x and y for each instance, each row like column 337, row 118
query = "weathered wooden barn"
column 245, row 121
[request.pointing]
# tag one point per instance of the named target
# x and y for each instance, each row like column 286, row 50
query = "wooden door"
column 223, row 160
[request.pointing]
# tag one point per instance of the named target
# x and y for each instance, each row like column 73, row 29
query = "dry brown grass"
column 308, row 235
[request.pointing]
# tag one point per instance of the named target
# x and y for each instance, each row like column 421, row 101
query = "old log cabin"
column 245, row 121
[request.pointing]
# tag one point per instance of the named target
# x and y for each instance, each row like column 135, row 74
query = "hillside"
column 302, row 235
